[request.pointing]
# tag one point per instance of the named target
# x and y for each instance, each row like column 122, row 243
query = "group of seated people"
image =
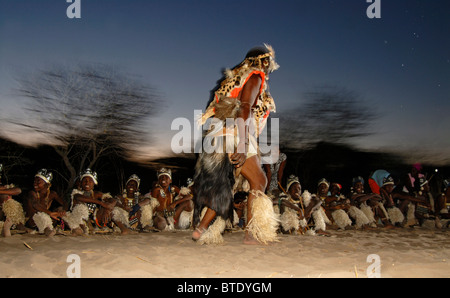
column 381, row 207
column 168, row 207
column 91, row 211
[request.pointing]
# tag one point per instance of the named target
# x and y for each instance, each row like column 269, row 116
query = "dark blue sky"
column 399, row 64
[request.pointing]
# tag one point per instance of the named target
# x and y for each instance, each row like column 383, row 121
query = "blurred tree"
column 12, row 156
column 328, row 114
column 87, row 112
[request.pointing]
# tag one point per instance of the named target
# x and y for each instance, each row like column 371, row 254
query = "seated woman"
column 39, row 202
column 11, row 211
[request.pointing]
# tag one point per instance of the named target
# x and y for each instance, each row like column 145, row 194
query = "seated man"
column 396, row 203
column 335, row 207
column 368, row 203
column 39, row 202
column 426, row 210
column 89, row 202
column 165, row 193
column 184, row 207
column 443, row 201
column 129, row 198
column 294, row 209
column 157, row 209
column 11, row 211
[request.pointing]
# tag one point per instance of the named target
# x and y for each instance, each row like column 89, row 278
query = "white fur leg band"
column 264, row 222
column 341, row 219
column 43, row 221
column 147, row 212
column 289, row 220
column 120, row 215
column 77, row 216
column 359, row 216
column 14, row 211
column 213, row 235
column 185, row 220
column 395, row 215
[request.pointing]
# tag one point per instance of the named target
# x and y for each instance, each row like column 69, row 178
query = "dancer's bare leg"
column 252, row 171
column 203, row 226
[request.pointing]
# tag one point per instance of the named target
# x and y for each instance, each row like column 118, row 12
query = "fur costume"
column 213, row 235
column 76, row 217
column 185, row 219
column 42, row 221
column 170, row 224
column 395, row 215
column 147, row 212
column 14, row 211
column 214, row 177
column 341, row 219
column 319, row 217
column 264, row 222
column 320, row 220
column 120, row 215
column 289, row 220
column 410, row 215
column 359, row 216
column 368, row 212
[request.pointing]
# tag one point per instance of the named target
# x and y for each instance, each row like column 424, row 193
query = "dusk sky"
column 399, row 64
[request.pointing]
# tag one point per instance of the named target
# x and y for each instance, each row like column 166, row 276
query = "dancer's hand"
column 238, row 159
column 239, row 156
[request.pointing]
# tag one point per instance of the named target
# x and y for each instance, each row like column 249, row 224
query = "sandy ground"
column 403, row 252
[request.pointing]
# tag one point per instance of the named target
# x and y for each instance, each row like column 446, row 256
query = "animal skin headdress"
column 45, row 175
column 259, row 57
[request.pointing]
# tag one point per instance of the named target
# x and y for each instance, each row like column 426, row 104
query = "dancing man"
column 243, row 97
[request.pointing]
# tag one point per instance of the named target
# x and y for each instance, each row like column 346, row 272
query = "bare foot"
column 249, row 240
column 128, row 232
column 323, row 233
column 388, row 226
column 7, row 227
column 198, row 232
column 49, row 232
column 77, row 232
